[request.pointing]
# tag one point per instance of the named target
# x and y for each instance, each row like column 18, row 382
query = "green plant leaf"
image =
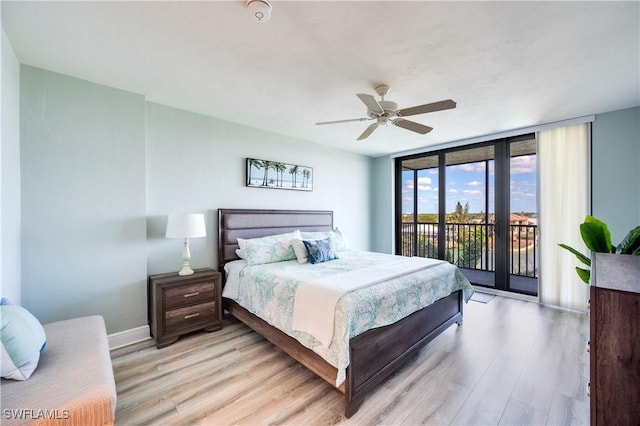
column 581, row 257
column 596, row 235
column 584, row 274
column 630, row 243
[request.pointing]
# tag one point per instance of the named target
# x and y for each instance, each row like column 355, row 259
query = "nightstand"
column 181, row 304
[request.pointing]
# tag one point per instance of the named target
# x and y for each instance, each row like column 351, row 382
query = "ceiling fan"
column 385, row 112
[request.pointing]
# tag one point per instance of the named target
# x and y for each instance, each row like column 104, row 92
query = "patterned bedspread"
column 268, row 291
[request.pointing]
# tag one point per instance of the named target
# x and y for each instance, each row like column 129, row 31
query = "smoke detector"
column 259, row 10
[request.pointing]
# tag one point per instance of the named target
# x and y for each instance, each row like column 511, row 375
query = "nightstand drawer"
column 190, row 316
column 185, row 295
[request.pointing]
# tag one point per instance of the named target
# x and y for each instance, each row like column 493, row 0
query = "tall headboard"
column 247, row 223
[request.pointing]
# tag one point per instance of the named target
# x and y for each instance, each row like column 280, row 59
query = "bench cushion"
column 74, row 381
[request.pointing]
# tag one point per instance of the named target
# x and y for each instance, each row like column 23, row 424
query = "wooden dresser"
column 615, row 340
column 182, row 304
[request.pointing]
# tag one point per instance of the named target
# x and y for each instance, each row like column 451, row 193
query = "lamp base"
column 186, row 270
column 186, row 257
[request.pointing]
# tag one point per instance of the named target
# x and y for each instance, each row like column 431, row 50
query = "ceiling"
column 508, row 65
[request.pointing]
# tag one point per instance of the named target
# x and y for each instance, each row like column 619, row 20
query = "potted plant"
column 596, row 236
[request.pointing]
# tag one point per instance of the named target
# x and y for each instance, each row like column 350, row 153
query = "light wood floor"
column 511, row 363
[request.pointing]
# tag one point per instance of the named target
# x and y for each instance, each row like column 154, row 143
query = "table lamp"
column 186, row 226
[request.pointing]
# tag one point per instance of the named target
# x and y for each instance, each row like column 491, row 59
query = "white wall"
column 10, row 175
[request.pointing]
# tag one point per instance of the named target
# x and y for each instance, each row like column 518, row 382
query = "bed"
column 371, row 355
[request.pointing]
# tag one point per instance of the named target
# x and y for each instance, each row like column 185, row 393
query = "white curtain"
column 563, row 191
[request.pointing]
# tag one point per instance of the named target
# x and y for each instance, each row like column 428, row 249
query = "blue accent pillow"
column 22, row 340
column 319, row 251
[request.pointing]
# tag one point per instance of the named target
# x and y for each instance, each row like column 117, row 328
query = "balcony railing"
column 472, row 245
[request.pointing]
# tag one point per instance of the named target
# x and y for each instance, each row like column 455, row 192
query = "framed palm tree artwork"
column 277, row 175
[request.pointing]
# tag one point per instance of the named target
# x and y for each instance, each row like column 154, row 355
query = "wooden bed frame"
column 374, row 354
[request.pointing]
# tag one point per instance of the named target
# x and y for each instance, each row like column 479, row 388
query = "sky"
column 466, row 184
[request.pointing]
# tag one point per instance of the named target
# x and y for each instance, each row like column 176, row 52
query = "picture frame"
column 278, row 175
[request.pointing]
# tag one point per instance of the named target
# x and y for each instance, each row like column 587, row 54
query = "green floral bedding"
column 268, row 291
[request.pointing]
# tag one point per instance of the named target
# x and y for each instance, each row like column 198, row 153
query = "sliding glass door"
column 419, row 215
column 469, row 228
column 474, row 207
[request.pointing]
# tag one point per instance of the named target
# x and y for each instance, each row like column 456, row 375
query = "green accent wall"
column 615, row 159
column 83, row 200
column 101, row 169
column 382, row 205
column 10, row 176
column 196, row 163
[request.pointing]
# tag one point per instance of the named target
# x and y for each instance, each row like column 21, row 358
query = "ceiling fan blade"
column 368, row 131
column 413, row 126
column 371, row 103
column 422, row 109
column 342, row 121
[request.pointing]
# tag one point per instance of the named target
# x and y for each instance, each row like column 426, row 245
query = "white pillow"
column 339, row 240
column 300, row 250
column 273, row 248
column 340, row 243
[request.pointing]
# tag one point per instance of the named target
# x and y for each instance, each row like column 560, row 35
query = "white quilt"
column 315, row 302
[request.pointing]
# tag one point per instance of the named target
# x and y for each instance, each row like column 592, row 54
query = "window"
column 474, row 207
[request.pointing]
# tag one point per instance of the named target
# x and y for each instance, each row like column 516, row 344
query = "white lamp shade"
column 186, row 226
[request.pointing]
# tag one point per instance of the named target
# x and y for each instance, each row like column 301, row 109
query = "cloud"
column 475, row 183
column 424, row 183
column 523, row 164
column 472, row 167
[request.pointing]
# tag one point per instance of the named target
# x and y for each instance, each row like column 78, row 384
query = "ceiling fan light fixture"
column 259, row 10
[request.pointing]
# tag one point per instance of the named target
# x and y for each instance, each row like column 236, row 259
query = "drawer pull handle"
column 195, row 293
column 192, row 315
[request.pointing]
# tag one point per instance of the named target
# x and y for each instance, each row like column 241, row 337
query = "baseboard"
column 128, row 337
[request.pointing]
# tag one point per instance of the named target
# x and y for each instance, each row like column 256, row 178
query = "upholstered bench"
column 73, row 383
